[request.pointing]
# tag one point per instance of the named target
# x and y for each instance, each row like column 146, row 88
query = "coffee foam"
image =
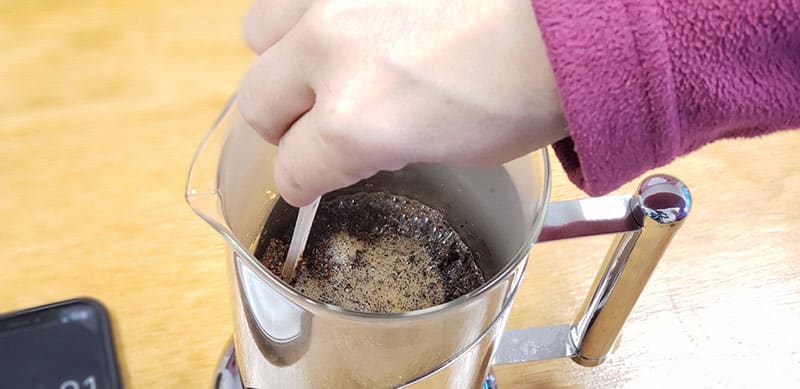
column 377, row 252
column 393, row 274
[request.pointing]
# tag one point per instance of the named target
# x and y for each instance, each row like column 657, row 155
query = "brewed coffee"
column 375, row 252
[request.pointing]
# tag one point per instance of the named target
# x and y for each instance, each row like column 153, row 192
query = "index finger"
column 268, row 21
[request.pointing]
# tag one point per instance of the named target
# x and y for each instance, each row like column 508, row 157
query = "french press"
column 283, row 339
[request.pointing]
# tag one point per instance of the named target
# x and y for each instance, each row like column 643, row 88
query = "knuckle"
column 287, row 184
column 247, row 107
column 252, row 31
column 338, row 123
column 254, row 42
column 253, row 115
column 285, row 174
column 368, row 140
column 323, row 23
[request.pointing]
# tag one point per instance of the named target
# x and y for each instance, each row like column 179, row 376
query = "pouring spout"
column 201, row 192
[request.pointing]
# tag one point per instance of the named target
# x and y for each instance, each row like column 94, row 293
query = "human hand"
column 347, row 88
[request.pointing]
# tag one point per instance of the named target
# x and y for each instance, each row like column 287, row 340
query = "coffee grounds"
column 376, row 252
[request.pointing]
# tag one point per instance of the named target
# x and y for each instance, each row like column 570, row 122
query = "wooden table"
column 102, row 105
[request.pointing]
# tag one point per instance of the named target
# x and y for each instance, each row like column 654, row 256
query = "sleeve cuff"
column 614, row 75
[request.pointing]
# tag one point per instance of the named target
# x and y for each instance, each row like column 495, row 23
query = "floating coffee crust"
column 377, row 252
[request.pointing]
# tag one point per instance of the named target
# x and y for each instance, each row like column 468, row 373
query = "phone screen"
column 61, row 346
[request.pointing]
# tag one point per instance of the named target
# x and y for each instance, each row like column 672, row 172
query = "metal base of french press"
column 227, row 375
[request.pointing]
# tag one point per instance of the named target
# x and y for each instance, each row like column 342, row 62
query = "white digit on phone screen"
column 89, row 383
column 71, row 384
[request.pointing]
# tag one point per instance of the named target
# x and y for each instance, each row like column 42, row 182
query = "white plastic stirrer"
column 305, row 217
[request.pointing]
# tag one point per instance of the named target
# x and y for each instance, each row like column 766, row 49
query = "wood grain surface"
column 102, row 104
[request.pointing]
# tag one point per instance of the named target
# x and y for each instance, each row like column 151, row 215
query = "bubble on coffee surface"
column 377, row 252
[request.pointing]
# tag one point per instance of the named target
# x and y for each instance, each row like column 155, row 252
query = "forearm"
column 642, row 82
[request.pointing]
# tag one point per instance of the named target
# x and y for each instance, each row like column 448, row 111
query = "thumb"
column 312, row 161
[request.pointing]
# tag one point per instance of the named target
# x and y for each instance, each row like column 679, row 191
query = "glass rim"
column 317, row 307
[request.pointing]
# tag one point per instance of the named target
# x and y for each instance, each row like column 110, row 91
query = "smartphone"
column 64, row 345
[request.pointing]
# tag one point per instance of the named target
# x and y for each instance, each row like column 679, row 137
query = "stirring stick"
column 299, row 238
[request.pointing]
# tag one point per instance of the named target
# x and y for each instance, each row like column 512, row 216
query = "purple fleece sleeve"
column 644, row 81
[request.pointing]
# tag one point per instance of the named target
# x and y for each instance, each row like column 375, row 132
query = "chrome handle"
column 646, row 221
column 659, row 206
column 587, row 217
